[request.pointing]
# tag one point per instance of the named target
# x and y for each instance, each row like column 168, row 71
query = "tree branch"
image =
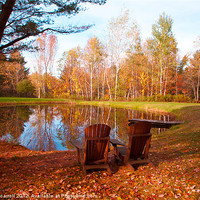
column 5, row 14
column 18, row 14
column 72, row 30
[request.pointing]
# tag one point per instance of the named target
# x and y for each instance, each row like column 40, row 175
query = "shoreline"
column 150, row 106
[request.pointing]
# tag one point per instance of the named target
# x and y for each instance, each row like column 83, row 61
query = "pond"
column 50, row 127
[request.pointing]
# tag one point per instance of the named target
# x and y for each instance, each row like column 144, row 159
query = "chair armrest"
column 77, row 144
column 115, row 142
column 142, row 135
column 97, row 138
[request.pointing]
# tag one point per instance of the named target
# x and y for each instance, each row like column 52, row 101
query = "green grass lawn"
column 159, row 106
column 156, row 106
column 21, row 101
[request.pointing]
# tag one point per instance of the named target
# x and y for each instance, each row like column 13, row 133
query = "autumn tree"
column 137, row 67
column 120, row 36
column 193, row 74
column 93, row 53
column 20, row 19
column 45, row 60
column 71, row 72
column 164, row 49
column 2, row 74
column 180, row 83
column 13, row 71
column 16, row 71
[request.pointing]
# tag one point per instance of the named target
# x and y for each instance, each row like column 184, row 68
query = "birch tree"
column 164, row 49
column 45, row 59
column 120, row 36
column 194, row 72
column 93, row 58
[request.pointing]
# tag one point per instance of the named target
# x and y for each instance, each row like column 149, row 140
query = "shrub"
column 25, row 88
column 166, row 98
column 181, row 98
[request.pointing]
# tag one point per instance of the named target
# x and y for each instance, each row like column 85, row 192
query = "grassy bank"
column 183, row 111
column 154, row 106
column 175, row 154
column 21, row 101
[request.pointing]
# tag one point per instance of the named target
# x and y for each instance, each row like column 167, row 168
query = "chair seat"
column 99, row 166
column 122, row 150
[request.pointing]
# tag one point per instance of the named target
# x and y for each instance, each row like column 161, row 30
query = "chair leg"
column 84, row 170
column 130, row 166
column 151, row 164
column 78, row 155
column 109, row 171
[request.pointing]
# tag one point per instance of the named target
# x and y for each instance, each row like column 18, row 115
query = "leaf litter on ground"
column 57, row 174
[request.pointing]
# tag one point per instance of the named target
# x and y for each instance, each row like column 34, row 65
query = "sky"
column 184, row 13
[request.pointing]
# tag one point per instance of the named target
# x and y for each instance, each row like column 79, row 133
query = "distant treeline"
column 122, row 68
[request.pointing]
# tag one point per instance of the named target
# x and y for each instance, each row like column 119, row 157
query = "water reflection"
column 50, row 127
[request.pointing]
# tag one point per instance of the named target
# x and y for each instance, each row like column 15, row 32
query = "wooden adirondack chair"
column 138, row 148
column 94, row 154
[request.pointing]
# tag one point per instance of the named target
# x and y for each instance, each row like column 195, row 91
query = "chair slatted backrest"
column 96, row 142
column 139, row 137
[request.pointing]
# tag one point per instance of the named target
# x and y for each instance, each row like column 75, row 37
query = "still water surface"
column 50, row 127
